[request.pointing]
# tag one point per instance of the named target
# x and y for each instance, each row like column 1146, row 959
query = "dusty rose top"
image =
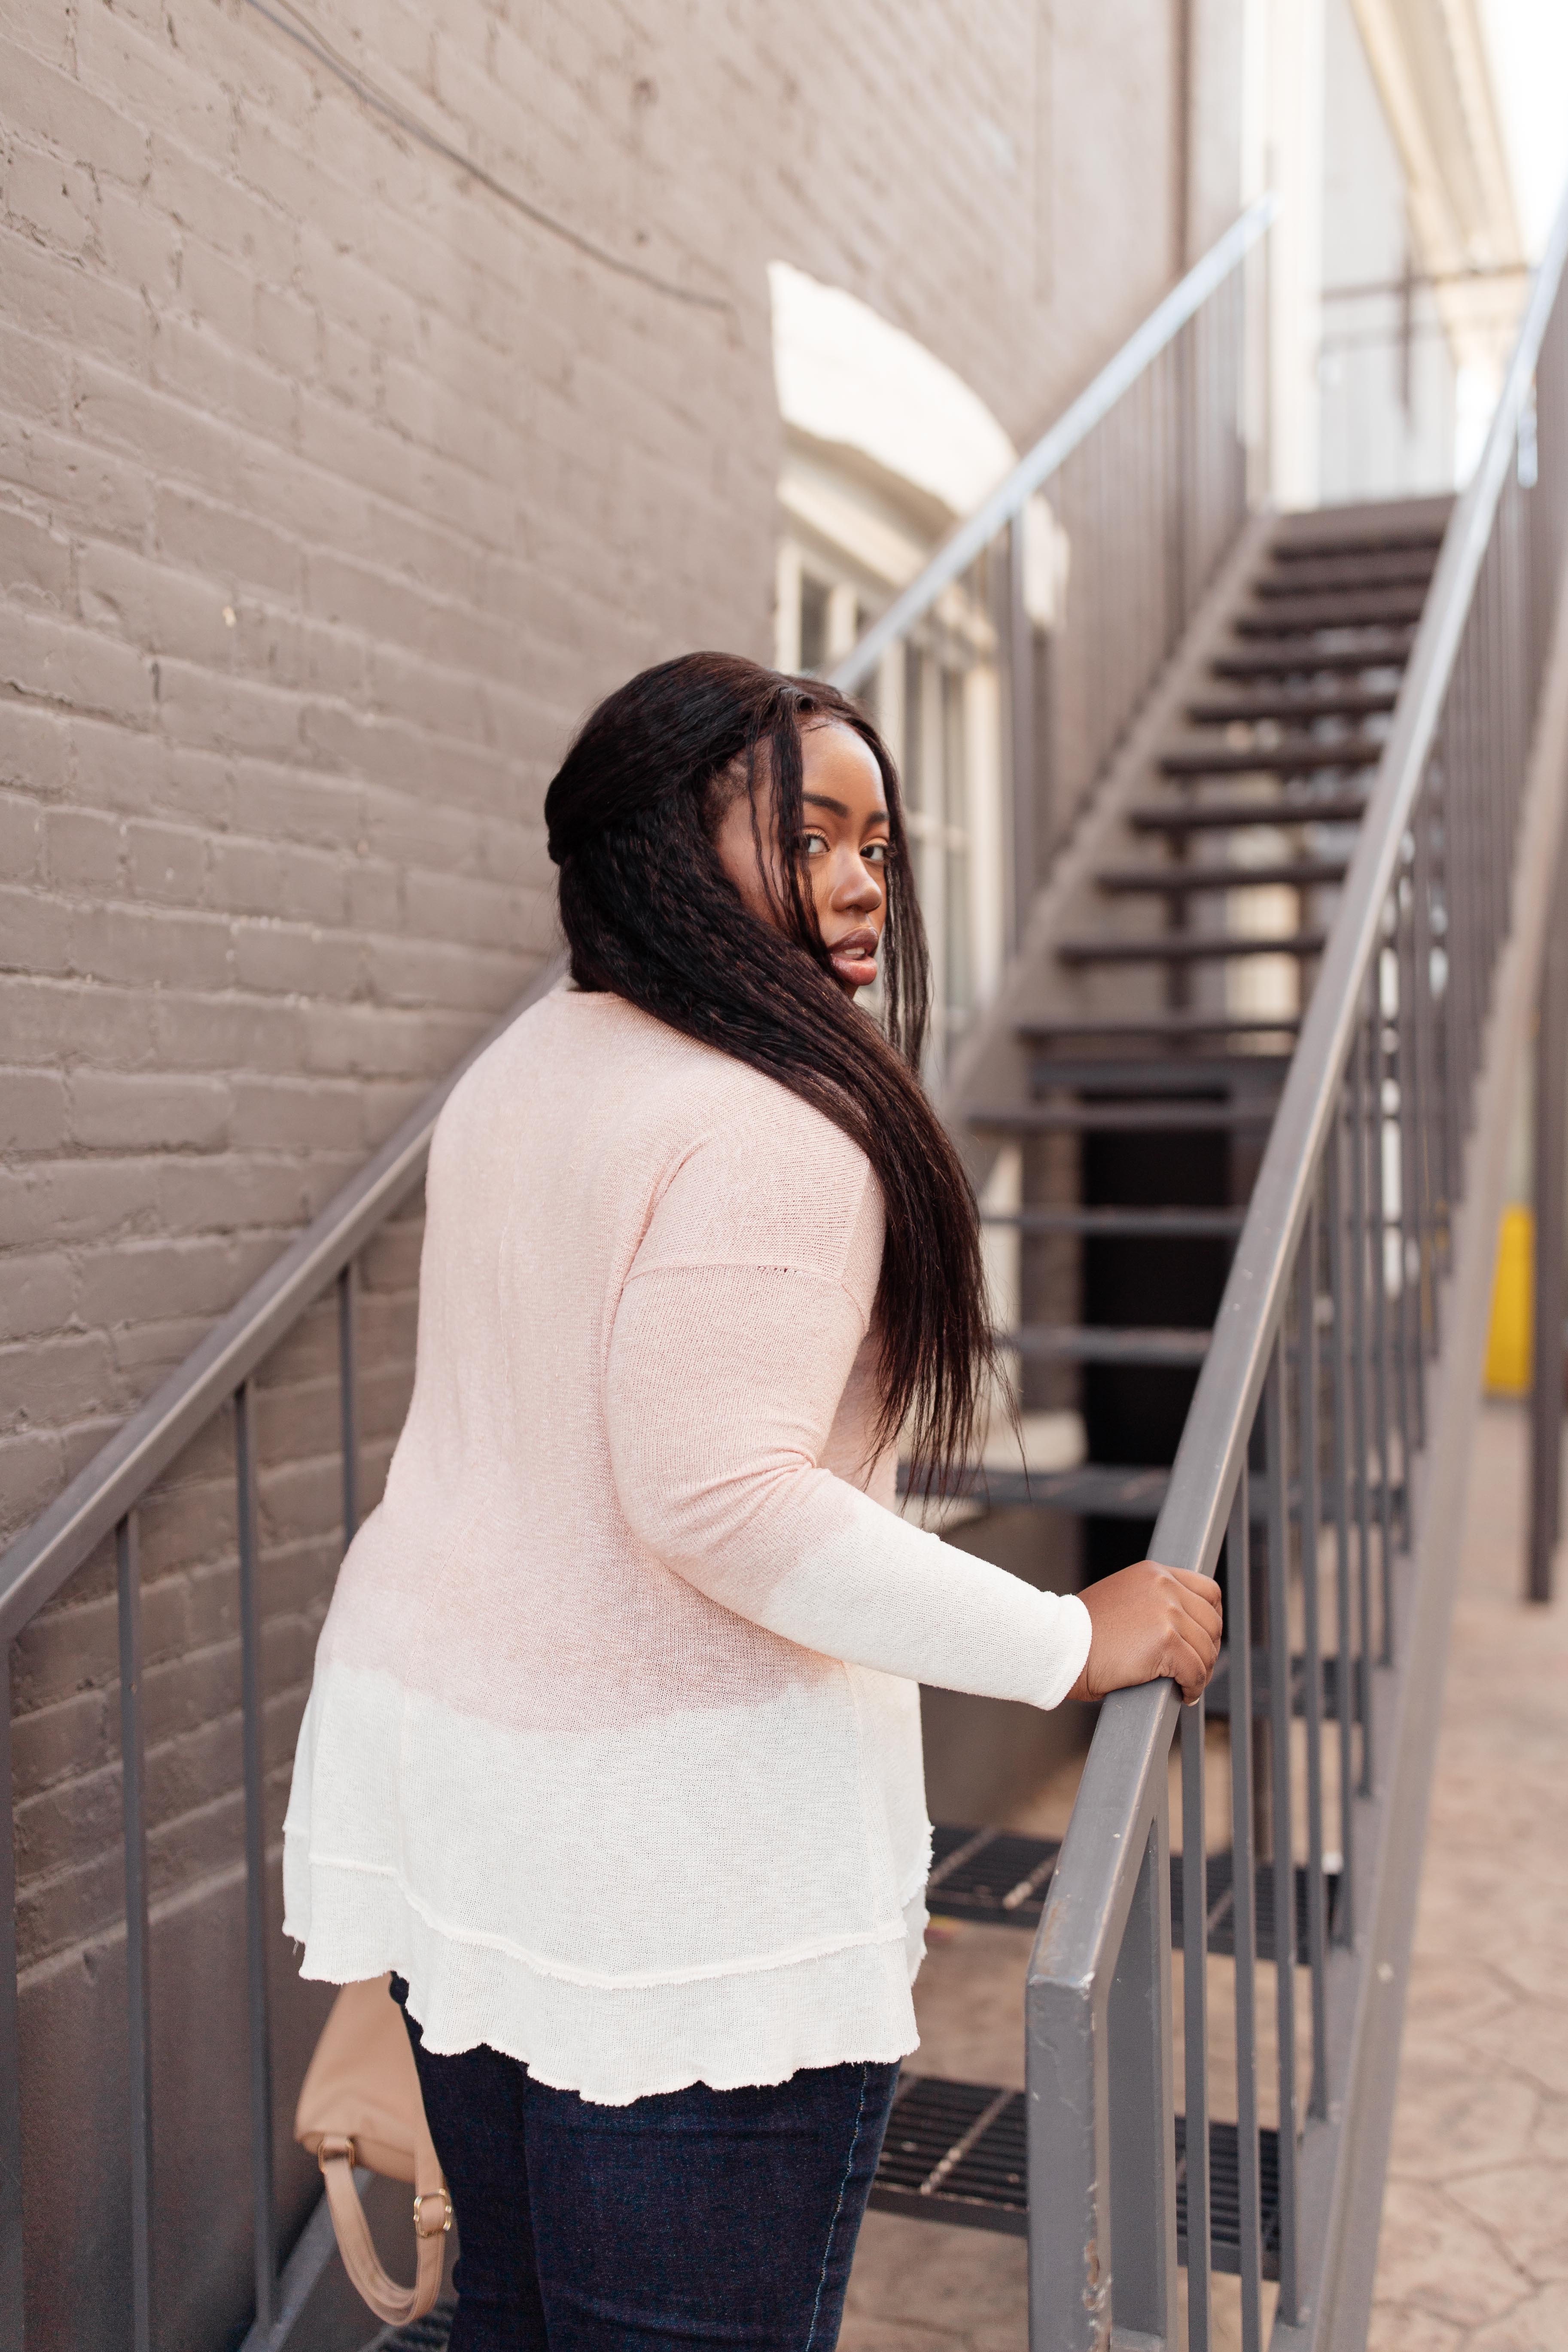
column 612, row 1748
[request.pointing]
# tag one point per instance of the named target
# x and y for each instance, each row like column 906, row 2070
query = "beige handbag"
column 360, row 2104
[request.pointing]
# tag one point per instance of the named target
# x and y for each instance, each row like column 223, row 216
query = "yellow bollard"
column 1509, row 1342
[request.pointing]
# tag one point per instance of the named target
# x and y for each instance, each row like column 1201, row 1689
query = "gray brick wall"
column 333, row 488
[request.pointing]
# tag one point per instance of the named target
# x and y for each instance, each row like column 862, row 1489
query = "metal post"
column 1278, row 1657
column 1195, row 2024
column 256, row 1940
column 138, row 1995
column 1359, row 1385
column 1142, row 2102
column 1312, row 1658
column 348, row 1395
column 1379, row 1254
column 12, row 2326
column 1244, row 1886
column 1551, row 1153
column 1023, row 766
column 1348, row 1681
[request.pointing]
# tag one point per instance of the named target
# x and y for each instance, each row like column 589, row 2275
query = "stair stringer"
column 992, row 1064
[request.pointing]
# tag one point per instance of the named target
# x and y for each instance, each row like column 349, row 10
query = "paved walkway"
column 1474, row 2257
column 1475, row 2241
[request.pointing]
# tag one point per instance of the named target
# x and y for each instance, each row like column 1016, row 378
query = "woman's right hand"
column 1150, row 1620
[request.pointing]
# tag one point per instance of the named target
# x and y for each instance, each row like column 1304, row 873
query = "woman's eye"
column 877, row 853
column 813, row 844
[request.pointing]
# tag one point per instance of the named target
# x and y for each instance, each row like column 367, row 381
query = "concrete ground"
column 1474, row 2255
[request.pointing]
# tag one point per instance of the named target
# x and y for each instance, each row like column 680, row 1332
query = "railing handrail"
column 1092, row 1884
column 1012, row 494
column 51, row 1551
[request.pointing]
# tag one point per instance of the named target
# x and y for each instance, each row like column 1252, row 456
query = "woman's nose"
column 857, row 891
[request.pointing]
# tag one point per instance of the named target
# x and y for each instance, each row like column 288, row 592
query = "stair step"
column 1298, row 710
column 1217, row 1699
column 1121, row 1117
column 1122, row 1223
column 1381, row 610
column 1235, row 816
column 1378, row 649
column 1000, row 1878
column 1310, row 538
column 996, row 1876
column 1155, row 1024
column 1093, row 1491
column 1185, row 881
column 1123, row 1073
column 1219, row 1890
column 431, row 2334
column 1316, row 574
column 1106, row 1343
column 958, row 2152
column 1299, row 756
column 1187, row 947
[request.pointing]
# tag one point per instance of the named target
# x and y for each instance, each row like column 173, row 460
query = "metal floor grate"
column 1217, row 1699
column 1225, row 2197
column 993, row 1875
column 428, row 2335
column 956, row 2152
column 1000, row 1879
column 1222, row 1908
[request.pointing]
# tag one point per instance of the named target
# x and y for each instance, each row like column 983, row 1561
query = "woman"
column 613, row 1753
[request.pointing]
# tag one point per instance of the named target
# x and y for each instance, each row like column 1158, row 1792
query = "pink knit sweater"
column 612, row 1748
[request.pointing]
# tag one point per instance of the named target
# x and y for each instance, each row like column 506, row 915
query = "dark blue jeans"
column 698, row 2218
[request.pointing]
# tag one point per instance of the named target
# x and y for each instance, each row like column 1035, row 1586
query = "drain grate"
column 956, row 2152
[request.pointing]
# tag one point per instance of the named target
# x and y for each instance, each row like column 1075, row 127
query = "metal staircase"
column 1132, row 1047
column 1283, row 799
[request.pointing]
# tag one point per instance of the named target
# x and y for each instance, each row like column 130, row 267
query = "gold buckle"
column 332, row 2145
column 436, row 2230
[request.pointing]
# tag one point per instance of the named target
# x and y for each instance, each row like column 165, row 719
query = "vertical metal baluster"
column 1278, row 1653
column 1348, row 1680
column 348, row 1394
column 1373, row 1025
column 257, row 1941
column 1195, row 2024
column 13, row 2320
column 1141, row 2099
column 1358, row 1387
column 138, row 1990
column 1313, row 1653
column 1244, row 1886
column 1412, row 1118
column 1397, row 1059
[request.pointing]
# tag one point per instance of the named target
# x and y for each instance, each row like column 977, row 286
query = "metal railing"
column 1006, row 674
column 1155, row 452
column 1343, row 1377
column 102, row 1502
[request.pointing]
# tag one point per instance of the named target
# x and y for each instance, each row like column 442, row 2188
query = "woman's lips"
column 853, row 958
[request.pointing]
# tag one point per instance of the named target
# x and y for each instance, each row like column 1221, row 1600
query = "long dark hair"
column 650, row 913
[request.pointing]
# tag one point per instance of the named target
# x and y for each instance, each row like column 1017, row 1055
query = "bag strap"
column 432, row 2219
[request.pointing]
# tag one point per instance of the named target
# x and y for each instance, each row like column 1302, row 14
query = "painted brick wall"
column 335, row 484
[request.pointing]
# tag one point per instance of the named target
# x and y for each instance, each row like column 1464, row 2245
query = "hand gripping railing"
column 1344, row 1374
